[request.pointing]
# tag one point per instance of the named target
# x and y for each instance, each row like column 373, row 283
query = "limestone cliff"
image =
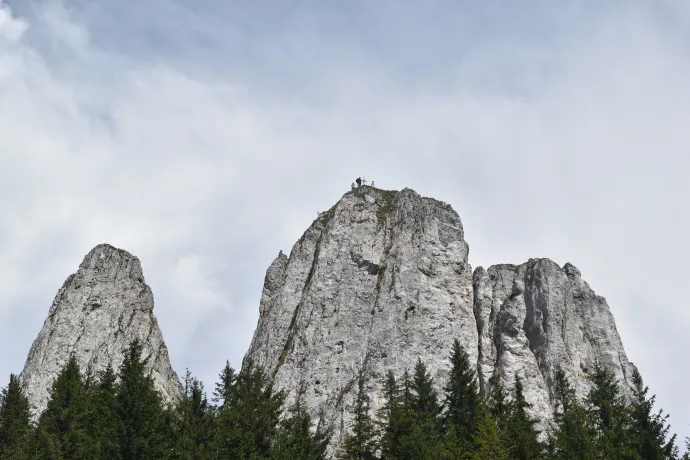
column 382, row 279
column 95, row 315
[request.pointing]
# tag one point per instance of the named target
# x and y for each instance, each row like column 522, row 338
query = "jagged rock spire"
column 96, row 313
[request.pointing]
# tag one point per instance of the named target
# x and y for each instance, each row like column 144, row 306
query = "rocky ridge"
column 382, row 279
column 96, row 314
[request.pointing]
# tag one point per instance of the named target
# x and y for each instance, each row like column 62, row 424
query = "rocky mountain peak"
column 95, row 315
column 102, row 259
column 381, row 280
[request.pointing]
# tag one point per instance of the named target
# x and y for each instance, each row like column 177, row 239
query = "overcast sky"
column 204, row 136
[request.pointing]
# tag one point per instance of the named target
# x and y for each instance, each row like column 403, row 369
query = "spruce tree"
column 425, row 397
column 649, row 430
column 103, row 422
column 192, row 422
column 139, row 410
column 15, row 426
column 63, row 426
column 394, row 419
column 424, row 440
column 488, row 441
column 520, row 434
column 223, row 391
column 407, row 449
column 359, row 442
column 497, row 402
column 572, row 438
column 463, row 404
column 610, row 416
column 248, row 421
column 295, row 439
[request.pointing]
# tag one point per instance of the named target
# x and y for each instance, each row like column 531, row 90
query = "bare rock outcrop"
column 96, row 314
column 382, row 280
column 536, row 317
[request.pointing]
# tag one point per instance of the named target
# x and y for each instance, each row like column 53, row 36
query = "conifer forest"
column 118, row 415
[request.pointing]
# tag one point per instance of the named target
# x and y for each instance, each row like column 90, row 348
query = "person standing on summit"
column 359, row 182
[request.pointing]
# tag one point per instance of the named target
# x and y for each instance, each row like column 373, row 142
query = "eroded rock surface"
column 381, row 280
column 533, row 318
column 96, row 314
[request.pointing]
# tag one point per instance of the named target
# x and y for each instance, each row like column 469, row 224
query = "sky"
column 204, row 137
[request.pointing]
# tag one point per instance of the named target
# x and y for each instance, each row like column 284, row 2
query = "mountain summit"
column 95, row 315
column 382, row 280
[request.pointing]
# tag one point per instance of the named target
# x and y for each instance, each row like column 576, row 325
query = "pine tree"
column 425, row 438
column 463, row 404
column 192, row 422
column 359, row 442
column 610, row 416
column 394, row 419
column 63, row 427
column 497, row 403
column 410, row 429
column 520, row 434
column 103, row 423
column 572, row 438
column 295, row 439
column 488, row 441
column 649, row 430
column 425, row 398
column 248, row 421
column 15, row 426
column 139, row 410
column 223, row 392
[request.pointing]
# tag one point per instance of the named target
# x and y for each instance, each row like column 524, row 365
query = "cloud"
column 205, row 139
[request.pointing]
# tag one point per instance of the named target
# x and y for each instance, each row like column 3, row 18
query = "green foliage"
column 102, row 421
column 519, row 432
column 610, row 418
column 649, row 431
column 360, row 443
column 295, row 439
column 424, row 397
column 15, row 426
column 192, row 422
column 223, row 391
column 121, row 417
column 63, row 427
column 488, row 441
column 424, row 439
column 572, row 439
column 497, row 403
column 139, row 410
column 248, row 421
column 463, row 404
column 394, row 419
column 385, row 206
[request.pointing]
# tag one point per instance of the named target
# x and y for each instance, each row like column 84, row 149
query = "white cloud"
column 551, row 135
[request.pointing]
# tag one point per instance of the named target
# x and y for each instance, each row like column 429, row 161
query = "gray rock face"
column 537, row 316
column 381, row 280
column 96, row 314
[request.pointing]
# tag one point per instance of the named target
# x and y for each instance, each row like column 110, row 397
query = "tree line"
column 120, row 416
column 415, row 422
